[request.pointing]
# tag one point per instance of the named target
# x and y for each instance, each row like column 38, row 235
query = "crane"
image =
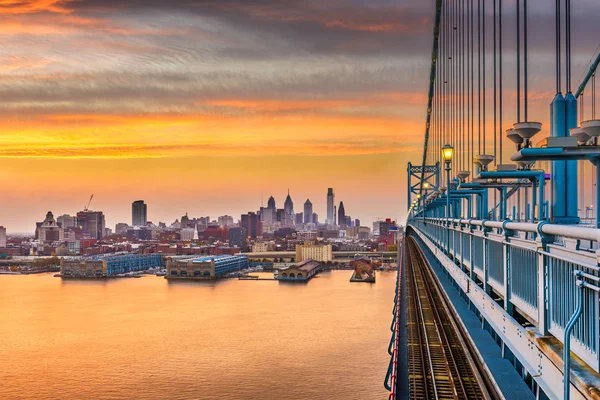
column 89, row 202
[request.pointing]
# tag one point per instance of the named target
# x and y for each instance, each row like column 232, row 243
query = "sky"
column 207, row 107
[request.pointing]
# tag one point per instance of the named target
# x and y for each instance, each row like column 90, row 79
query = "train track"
column 440, row 363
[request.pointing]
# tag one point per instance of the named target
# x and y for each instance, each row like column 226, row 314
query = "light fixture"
column 447, row 153
column 426, row 185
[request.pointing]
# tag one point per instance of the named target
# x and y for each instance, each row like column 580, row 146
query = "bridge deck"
column 502, row 372
column 438, row 365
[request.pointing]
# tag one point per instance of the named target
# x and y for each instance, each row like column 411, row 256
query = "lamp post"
column 447, row 153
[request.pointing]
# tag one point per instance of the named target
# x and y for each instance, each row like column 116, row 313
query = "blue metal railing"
column 391, row 375
column 517, row 279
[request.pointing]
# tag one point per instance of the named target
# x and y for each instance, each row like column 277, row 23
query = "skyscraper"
column 66, row 221
column 271, row 203
column 2, row 236
column 308, row 211
column 288, row 206
column 139, row 214
column 330, row 207
column 92, row 223
column 341, row 214
column 252, row 225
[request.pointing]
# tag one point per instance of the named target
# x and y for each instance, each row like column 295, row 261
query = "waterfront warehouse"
column 205, row 267
column 302, row 271
column 102, row 267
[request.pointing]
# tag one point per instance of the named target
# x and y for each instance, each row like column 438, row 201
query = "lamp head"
column 447, row 153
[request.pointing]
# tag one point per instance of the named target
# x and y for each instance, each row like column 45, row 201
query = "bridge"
column 498, row 289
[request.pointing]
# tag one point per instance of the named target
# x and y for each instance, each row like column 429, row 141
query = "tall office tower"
column 271, row 203
column 315, row 219
column 252, row 224
column 330, row 207
column 299, row 218
column 2, row 236
column 91, row 223
column 288, row 206
column 66, row 221
column 139, row 214
column 341, row 214
column 308, row 212
column 357, row 222
column 334, row 215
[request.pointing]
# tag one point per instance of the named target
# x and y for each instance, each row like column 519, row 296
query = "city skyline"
column 111, row 222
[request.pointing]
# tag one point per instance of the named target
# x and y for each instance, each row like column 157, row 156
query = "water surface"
column 150, row 339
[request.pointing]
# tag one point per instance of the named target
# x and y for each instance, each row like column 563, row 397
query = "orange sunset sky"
column 204, row 106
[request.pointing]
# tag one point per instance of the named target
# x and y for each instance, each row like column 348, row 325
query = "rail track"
column 439, row 360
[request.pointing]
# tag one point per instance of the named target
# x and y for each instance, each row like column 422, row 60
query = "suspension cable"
column 558, row 50
column 495, row 85
column 432, row 76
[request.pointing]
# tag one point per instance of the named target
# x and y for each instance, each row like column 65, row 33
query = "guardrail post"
column 485, row 259
column 506, row 260
column 542, row 277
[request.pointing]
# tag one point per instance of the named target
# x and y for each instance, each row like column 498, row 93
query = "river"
column 149, row 338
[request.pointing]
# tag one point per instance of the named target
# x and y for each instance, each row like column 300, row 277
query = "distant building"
column 237, row 237
column 139, row 215
column 107, row 231
column 299, row 218
column 205, row 267
column 121, row 228
column 252, row 225
column 108, row 266
column 138, row 233
column 315, row 218
column 301, row 271
column 91, row 223
column 271, row 203
column 288, row 206
column 187, row 234
column 284, row 218
column 341, row 215
column 308, row 211
column 225, row 221
column 330, row 207
column 2, row 236
column 66, row 221
column 261, row 247
column 317, row 252
column 48, row 230
column 357, row 222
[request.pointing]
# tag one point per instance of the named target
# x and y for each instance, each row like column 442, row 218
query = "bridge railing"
column 530, row 269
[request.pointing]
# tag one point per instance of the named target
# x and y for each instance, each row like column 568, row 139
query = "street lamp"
column 447, row 153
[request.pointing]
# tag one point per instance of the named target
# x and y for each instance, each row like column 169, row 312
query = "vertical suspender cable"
column 463, row 144
column 472, row 69
column 518, row 61
column 594, row 96
column 500, row 71
column 558, row 83
column 483, row 73
column 432, row 76
column 525, row 59
column 495, row 87
column 479, row 74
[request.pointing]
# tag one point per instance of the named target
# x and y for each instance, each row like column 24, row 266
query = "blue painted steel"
column 567, row 338
column 524, row 275
column 558, row 128
column 571, row 193
column 537, row 179
column 495, row 261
